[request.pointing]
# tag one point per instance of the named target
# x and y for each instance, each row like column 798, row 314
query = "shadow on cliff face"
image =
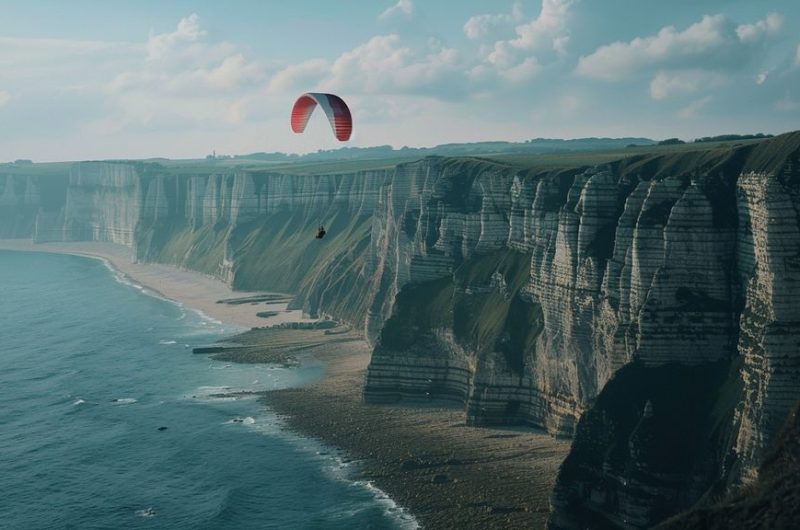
column 647, row 448
column 773, row 501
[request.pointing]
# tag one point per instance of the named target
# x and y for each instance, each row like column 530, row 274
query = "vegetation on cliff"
column 532, row 289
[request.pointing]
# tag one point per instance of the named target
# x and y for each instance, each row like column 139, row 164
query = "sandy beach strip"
column 427, row 460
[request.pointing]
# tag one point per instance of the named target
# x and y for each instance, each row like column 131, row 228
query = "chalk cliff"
column 649, row 307
column 22, row 199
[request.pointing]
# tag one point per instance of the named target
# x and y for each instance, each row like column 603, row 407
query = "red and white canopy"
column 335, row 109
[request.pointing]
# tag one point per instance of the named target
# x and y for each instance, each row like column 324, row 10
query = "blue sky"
column 111, row 79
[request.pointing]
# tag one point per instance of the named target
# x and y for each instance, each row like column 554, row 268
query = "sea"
column 108, row 420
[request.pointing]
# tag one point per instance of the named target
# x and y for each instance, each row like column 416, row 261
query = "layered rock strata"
column 725, row 292
column 514, row 292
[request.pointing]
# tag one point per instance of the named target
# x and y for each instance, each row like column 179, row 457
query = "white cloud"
column 182, row 74
column 386, row 64
column 182, row 91
column 522, row 72
column 5, row 97
column 548, row 30
column 299, row 76
column 232, row 72
column 669, row 84
column 402, row 7
column 714, row 42
column 25, row 59
column 381, row 65
column 750, row 33
column 179, row 80
column 484, row 26
column 518, row 57
column 161, row 45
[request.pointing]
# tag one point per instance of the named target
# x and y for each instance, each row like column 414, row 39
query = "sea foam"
column 123, row 401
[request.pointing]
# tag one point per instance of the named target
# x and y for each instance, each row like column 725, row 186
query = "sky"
column 91, row 79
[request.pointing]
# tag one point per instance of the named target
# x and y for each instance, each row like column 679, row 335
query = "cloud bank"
column 527, row 69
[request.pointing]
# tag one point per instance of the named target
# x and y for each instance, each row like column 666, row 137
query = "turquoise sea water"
column 91, row 367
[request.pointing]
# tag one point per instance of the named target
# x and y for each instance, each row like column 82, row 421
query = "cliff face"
column 254, row 230
column 626, row 262
column 461, row 231
column 769, row 338
column 620, row 304
column 23, row 196
column 681, row 260
column 647, row 446
column 726, row 292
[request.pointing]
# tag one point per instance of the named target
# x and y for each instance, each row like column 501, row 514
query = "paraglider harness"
column 321, row 232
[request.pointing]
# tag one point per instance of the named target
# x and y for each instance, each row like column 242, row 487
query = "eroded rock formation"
column 622, row 304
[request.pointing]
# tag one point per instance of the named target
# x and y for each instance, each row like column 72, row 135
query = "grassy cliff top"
column 757, row 155
column 48, row 169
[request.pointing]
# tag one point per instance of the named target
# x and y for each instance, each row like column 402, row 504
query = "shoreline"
column 425, row 459
column 195, row 290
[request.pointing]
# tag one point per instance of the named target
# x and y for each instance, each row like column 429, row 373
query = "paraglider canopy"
column 335, row 109
column 321, row 232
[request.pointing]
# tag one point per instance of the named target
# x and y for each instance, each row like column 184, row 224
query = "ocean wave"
column 340, row 468
column 205, row 320
column 208, row 394
column 123, row 401
column 208, row 390
column 146, row 512
column 123, row 278
column 247, row 420
column 78, row 402
column 391, row 509
column 165, row 342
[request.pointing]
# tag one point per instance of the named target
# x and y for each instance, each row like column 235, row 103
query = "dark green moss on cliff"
column 490, row 314
column 200, row 249
column 419, row 309
column 280, row 252
column 481, row 303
